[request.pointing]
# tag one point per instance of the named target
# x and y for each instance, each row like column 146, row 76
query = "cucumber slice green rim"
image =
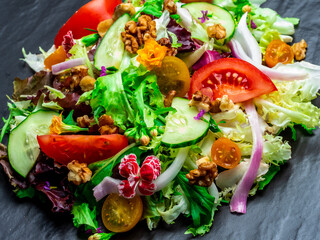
column 23, row 147
column 181, row 128
column 220, row 15
column 110, row 51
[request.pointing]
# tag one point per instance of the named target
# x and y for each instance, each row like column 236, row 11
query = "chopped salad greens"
column 167, row 109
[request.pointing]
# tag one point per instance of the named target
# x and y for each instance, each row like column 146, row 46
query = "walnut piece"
column 203, row 102
column 170, row 6
column 246, row 8
column 167, row 102
column 136, row 34
column 299, row 50
column 225, row 103
column 106, row 124
column 122, row 9
column 104, row 26
column 85, row 121
column 205, row 174
column 130, row 42
column 71, row 79
column 78, row 172
column 216, row 31
column 87, row 83
column 166, row 42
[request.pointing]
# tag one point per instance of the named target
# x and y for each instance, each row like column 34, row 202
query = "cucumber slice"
column 181, row 128
column 111, row 48
column 23, row 147
column 220, row 15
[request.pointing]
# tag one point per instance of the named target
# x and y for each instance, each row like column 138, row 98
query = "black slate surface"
column 288, row 208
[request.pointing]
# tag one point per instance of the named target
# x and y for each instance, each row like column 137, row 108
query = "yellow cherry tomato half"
column 120, row 214
column 173, row 75
column 225, row 153
column 58, row 56
column 278, row 52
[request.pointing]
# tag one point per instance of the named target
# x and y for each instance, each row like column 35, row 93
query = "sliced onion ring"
column 239, row 199
column 57, row 68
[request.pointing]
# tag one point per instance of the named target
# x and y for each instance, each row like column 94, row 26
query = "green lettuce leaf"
column 82, row 215
column 79, row 50
column 202, row 206
column 102, row 236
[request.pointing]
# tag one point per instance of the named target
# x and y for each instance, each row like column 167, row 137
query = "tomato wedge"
column 236, row 78
column 88, row 16
column 84, row 148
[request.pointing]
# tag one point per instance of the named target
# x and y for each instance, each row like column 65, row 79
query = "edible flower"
column 253, row 25
column 103, row 71
column 58, row 126
column 200, row 115
column 152, row 54
column 141, row 179
column 204, row 17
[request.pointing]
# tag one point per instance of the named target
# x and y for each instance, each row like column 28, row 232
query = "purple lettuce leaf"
column 183, row 35
column 208, row 57
column 31, row 85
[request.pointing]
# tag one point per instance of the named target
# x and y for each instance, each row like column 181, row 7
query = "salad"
column 174, row 138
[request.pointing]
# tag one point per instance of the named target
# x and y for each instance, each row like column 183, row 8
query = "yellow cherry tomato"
column 225, row 153
column 173, row 75
column 120, row 214
column 278, row 51
column 58, row 56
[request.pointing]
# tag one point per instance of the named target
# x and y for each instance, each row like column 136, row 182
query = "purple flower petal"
column 103, row 71
column 47, row 186
column 89, row 231
column 204, row 17
column 99, row 230
column 200, row 115
column 253, row 25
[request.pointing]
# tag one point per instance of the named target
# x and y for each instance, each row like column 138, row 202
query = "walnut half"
column 299, row 50
column 79, row 172
column 216, row 31
column 205, row 174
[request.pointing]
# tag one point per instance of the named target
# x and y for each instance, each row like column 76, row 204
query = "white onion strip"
column 274, row 74
column 108, row 185
column 248, row 42
column 57, row 68
column 167, row 176
column 239, row 199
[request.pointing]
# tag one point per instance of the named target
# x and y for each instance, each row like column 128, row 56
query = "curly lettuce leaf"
column 82, row 215
column 292, row 102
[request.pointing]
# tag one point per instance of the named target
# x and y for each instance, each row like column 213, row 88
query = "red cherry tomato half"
column 236, row 78
column 83, row 148
column 88, row 16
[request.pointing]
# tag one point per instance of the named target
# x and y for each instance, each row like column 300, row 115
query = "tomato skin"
column 278, row 51
column 253, row 82
column 225, row 153
column 88, row 16
column 83, row 148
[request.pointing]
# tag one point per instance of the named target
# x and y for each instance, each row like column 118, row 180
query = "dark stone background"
column 287, row 209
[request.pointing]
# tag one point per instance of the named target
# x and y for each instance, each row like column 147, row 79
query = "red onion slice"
column 57, row 68
column 239, row 198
